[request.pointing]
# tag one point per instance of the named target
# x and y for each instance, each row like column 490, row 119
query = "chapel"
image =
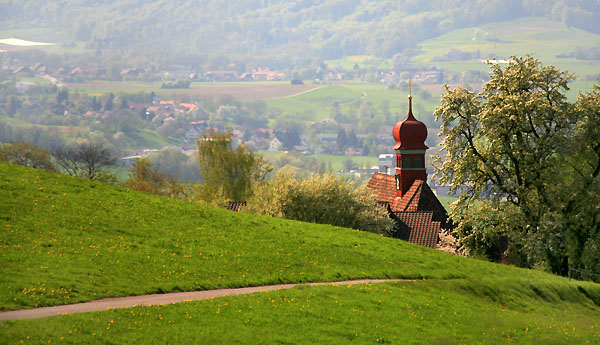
column 418, row 214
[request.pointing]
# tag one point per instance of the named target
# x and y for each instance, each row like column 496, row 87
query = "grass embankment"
column 65, row 240
column 422, row 312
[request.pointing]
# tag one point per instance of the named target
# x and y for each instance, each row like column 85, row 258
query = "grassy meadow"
column 315, row 105
column 544, row 39
column 66, row 240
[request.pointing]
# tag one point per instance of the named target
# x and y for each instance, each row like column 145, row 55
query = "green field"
column 336, row 162
column 64, row 240
column 540, row 37
column 316, row 105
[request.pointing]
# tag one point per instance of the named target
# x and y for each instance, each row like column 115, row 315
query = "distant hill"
column 326, row 29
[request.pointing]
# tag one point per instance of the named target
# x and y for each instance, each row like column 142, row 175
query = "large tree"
column 86, row 159
column 229, row 172
column 526, row 162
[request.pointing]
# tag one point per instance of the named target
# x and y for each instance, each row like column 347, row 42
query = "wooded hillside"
column 325, row 29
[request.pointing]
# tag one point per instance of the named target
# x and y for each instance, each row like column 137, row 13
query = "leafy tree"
column 27, row 154
column 62, row 96
column 229, row 173
column 109, row 102
column 13, row 105
column 524, row 160
column 86, row 159
column 342, row 139
column 95, row 104
column 321, row 199
column 143, row 176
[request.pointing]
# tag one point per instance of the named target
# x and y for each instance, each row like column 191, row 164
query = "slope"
column 64, row 240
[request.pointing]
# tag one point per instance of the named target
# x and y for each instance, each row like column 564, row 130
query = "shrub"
column 321, row 199
column 27, row 154
column 144, row 177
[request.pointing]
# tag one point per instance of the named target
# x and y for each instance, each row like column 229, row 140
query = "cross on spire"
column 410, row 85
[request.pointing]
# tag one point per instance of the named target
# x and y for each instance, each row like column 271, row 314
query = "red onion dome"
column 410, row 133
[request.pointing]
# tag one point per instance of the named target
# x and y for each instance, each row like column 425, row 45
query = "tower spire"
column 410, row 113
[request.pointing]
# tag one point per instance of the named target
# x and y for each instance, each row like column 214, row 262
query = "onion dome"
column 410, row 133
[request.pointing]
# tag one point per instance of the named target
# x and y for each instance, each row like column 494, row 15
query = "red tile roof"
column 418, row 213
column 383, row 186
column 418, row 227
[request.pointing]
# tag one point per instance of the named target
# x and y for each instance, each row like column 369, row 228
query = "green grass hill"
column 66, row 240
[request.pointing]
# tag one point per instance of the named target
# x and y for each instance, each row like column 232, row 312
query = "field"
column 316, row 105
column 65, row 240
column 239, row 90
column 336, row 162
column 542, row 38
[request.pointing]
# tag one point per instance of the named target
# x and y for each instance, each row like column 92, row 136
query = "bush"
column 321, row 199
column 144, row 177
column 27, row 154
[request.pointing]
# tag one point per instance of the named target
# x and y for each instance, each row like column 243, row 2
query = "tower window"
column 406, row 162
column 419, row 162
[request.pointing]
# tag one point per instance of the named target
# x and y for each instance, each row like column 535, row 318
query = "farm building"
column 419, row 215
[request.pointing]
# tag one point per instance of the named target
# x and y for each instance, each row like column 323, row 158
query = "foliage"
column 85, row 159
column 229, row 173
column 176, row 163
column 143, row 176
column 27, row 154
column 325, row 29
column 323, row 199
column 180, row 84
column 518, row 148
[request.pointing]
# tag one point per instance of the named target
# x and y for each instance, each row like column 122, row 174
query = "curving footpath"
column 161, row 299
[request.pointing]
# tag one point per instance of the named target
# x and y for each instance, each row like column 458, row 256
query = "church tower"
column 410, row 147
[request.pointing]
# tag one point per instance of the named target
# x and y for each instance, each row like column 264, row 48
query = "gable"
column 420, row 197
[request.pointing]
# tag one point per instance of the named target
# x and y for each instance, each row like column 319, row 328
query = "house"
column 24, row 70
column 132, row 72
column 386, row 162
column 275, row 145
column 419, row 216
column 187, row 107
column 265, row 74
column 221, row 75
column 85, row 70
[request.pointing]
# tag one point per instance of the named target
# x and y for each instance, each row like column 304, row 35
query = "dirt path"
column 160, row 299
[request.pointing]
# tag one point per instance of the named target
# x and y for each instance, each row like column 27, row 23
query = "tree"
column 27, row 154
column 507, row 152
column 62, row 96
column 13, row 106
column 85, row 159
column 323, row 199
column 109, row 102
column 342, row 139
column 229, row 173
column 143, row 176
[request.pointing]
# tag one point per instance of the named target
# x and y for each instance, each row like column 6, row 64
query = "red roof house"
column 418, row 213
